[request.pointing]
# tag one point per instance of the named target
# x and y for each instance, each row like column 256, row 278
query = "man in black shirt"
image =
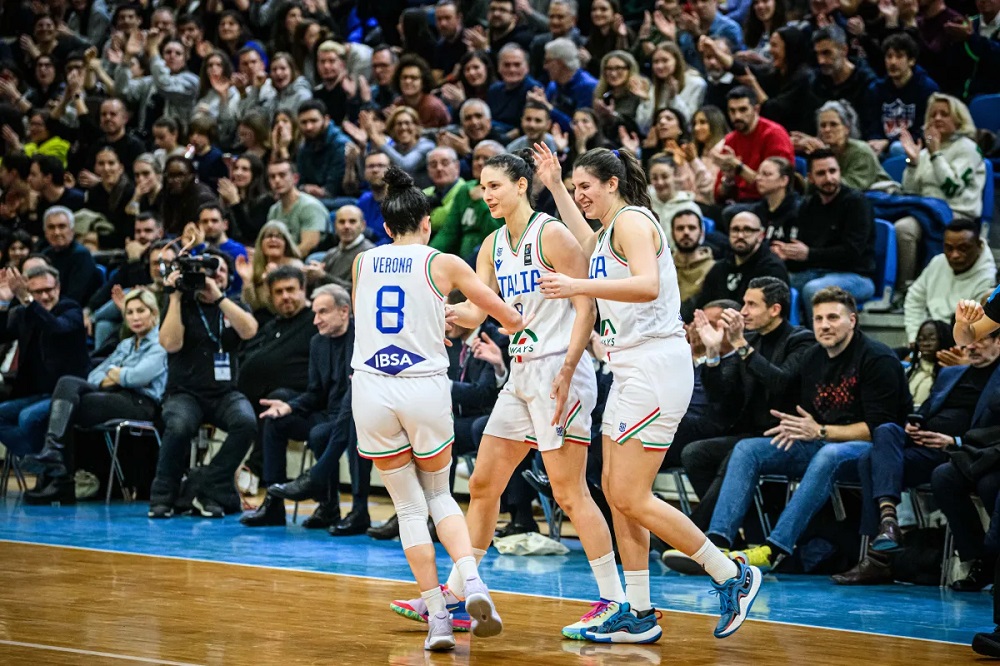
column 200, row 331
column 751, row 258
column 77, row 270
column 832, row 240
column 906, row 457
column 850, row 385
column 48, row 178
column 321, row 416
column 451, row 46
column 336, row 89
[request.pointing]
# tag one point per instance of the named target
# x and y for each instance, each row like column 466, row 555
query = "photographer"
column 201, row 329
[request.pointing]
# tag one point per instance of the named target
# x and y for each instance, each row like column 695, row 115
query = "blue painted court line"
column 896, row 610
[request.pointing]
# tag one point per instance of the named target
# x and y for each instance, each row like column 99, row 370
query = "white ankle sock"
column 608, row 582
column 637, row 590
column 715, row 564
column 434, row 600
column 467, row 567
column 456, row 581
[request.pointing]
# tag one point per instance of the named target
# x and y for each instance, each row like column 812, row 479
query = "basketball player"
column 634, row 281
column 402, row 395
column 547, row 402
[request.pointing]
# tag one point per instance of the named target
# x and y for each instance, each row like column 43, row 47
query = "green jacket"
column 468, row 224
column 440, row 214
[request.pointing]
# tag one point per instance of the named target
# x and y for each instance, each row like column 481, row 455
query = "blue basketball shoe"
column 736, row 596
column 416, row 609
column 624, row 626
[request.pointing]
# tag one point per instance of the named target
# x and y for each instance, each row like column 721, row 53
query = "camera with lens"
column 194, row 270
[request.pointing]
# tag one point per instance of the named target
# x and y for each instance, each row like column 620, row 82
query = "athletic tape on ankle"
column 411, row 507
column 440, row 503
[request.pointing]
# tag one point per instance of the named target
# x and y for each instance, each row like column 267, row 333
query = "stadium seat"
column 795, row 315
column 103, row 270
column 885, row 265
column 894, row 166
column 985, row 110
column 708, row 224
column 802, row 166
column 988, row 194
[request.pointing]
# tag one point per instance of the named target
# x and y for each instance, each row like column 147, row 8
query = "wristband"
column 167, row 289
column 219, row 300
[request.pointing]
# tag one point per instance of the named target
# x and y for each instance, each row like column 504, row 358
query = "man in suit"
column 769, row 353
column 904, row 457
column 321, row 416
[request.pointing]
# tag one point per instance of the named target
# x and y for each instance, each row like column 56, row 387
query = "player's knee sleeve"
column 411, row 507
column 440, row 503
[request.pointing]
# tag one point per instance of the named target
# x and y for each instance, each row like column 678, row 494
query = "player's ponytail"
column 404, row 205
column 604, row 164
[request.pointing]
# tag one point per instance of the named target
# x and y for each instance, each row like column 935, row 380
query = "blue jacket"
column 578, row 93
column 933, row 214
column 144, row 370
column 321, row 162
column 947, row 380
column 372, row 211
column 891, row 108
column 722, row 26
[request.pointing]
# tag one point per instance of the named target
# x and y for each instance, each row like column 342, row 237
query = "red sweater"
column 768, row 139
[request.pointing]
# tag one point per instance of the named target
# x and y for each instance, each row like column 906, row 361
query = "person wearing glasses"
column 750, row 258
column 51, row 343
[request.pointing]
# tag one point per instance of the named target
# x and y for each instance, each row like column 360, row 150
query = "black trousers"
column 92, row 406
column 183, row 414
column 952, row 492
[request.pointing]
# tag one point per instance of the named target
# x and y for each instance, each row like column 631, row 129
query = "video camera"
column 194, row 270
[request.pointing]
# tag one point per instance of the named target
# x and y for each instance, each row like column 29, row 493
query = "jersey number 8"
column 389, row 303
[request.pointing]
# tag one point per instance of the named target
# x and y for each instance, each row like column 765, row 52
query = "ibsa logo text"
column 392, row 360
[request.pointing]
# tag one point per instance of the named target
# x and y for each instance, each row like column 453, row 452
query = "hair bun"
column 525, row 154
column 397, row 179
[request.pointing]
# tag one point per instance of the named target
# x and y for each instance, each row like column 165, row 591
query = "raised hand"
column 547, row 166
column 560, row 138
column 910, row 147
column 709, row 334
column 968, row 312
column 628, row 140
column 244, row 269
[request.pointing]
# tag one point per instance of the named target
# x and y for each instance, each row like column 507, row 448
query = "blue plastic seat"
column 894, row 166
column 988, row 194
column 794, row 314
column 708, row 224
column 985, row 111
column 885, row 263
column 802, row 166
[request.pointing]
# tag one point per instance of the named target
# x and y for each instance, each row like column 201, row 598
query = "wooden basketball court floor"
column 104, row 585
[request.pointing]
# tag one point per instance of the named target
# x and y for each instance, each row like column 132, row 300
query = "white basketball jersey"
column 399, row 313
column 624, row 325
column 518, row 266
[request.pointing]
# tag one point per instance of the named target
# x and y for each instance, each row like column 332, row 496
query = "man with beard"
column 113, row 121
column 750, row 258
column 752, row 140
column 692, row 258
column 504, row 28
column 832, row 241
column 451, row 46
column 376, row 164
column 320, row 159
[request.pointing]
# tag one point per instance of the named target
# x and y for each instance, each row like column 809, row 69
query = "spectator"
column 169, row 79
column 675, row 85
column 192, row 332
column 416, row 34
column 285, row 140
column 608, row 32
column 146, row 196
column 949, row 166
column 763, row 20
column 450, row 45
column 48, row 178
column 899, row 100
column 289, row 88
column 407, row 150
column 166, row 138
column 904, row 458
column 321, row 415
column 74, row 262
column 102, row 313
column 622, row 97
column 752, row 140
column 443, row 166
column 469, row 222
column 376, row 163
column 586, row 135
column 320, row 160
column 977, row 40
column 385, row 62
column 208, row 161
column 750, row 258
column 535, row 125
column 234, row 39
column 825, row 435
column 89, row 19
column 708, row 130
column 691, row 256
column 706, row 22
column 287, row 18
column 504, row 28
column 561, row 23
column 113, row 122
column 570, row 87
column 274, row 248
column 667, row 198
column 246, row 197
column 779, row 204
column 839, row 78
column 309, row 34
column 669, row 137
column 935, row 42
column 213, row 222
column 16, row 250
column 336, row 89
column 934, row 349
column 476, row 126
column 127, row 385
column 414, row 81
column 338, row 262
column 966, row 270
column 184, row 195
column 110, row 198
column 838, row 131
column 51, row 343
column 837, row 246
column 770, row 352
column 303, row 214
column 218, row 98
column 506, row 98
column 472, row 80
column 719, row 81
column 44, row 139
column 15, row 200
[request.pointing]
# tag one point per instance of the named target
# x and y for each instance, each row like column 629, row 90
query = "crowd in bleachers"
column 186, row 184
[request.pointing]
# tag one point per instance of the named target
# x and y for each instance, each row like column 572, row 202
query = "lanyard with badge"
column 223, row 370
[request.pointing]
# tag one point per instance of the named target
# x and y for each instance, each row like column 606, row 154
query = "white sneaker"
column 439, row 633
column 479, row 605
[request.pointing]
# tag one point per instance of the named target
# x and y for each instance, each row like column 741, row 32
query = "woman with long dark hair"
column 111, row 196
column 415, row 33
column 247, row 197
column 285, row 24
column 473, row 80
column 765, row 17
column 633, row 278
